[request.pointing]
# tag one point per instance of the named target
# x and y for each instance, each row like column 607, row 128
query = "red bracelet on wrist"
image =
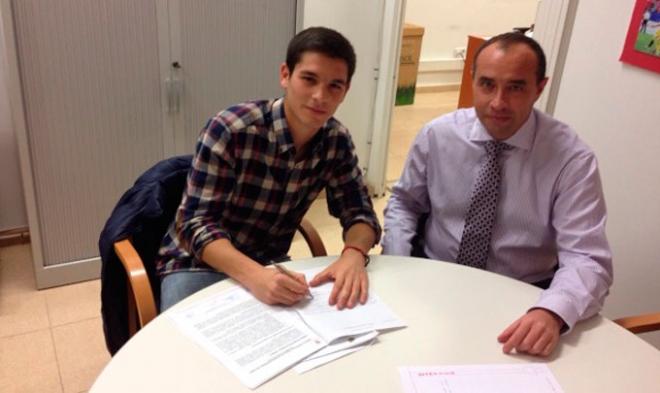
column 364, row 254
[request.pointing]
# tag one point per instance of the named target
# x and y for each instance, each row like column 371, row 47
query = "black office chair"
column 417, row 241
column 129, row 243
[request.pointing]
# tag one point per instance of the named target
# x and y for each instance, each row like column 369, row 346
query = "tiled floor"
column 52, row 340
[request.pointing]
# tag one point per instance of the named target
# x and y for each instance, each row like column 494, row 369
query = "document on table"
column 335, row 351
column 331, row 324
column 496, row 378
column 256, row 341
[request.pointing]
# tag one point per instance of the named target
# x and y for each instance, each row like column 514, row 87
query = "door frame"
column 385, row 96
column 552, row 29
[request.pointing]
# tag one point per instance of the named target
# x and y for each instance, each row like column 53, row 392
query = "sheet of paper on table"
column 257, row 342
column 254, row 341
column 335, row 351
column 331, row 324
column 495, row 378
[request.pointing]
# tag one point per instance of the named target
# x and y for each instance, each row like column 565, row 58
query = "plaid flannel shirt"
column 245, row 186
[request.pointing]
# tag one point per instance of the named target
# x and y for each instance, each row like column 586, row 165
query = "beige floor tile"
column 379, row 206
column 407, row 120
column 81, row 353
column 16, row 270
column 23, row 313
column 75, row 302
column 28, row 364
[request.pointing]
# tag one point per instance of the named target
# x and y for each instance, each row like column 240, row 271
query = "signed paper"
column 256, row 341
column 253, row 340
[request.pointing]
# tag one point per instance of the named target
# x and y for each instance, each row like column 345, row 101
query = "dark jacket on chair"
column 143, row 214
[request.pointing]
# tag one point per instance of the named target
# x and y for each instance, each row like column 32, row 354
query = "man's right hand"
column 273, row 287
column 266, row 284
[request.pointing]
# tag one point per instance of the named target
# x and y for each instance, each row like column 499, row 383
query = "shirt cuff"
column 365, row 219
column 395, row 244
column 560, row 305
column 201, row 240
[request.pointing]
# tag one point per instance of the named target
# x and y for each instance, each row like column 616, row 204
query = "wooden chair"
column 640, row 323
column 141, row 303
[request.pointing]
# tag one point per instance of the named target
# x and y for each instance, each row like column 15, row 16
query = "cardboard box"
column 411, row 46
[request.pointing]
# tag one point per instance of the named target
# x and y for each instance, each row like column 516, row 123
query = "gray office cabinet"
column 101, row 90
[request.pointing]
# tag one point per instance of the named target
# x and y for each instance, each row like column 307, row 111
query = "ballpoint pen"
column 288, row 272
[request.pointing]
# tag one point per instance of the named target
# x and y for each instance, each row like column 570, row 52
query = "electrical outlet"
column 459, row 52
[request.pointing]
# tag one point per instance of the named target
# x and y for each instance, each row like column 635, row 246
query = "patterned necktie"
column 475, row 242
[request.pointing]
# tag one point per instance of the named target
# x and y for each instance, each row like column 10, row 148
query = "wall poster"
column 642, row 46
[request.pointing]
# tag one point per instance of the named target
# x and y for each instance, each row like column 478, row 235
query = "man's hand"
column 350, row 277
column 273, row 287
column 535, row 333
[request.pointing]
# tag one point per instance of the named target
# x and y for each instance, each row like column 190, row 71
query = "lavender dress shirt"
column 551, row 210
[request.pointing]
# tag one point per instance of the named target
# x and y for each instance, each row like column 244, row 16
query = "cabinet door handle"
column 173, row 89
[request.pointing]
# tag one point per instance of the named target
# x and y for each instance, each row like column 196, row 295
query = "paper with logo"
column 509, row 378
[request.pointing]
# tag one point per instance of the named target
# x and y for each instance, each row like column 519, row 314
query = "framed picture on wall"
column 642, row 46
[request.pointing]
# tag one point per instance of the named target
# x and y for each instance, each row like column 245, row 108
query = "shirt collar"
column 281, row 132
column 523, row 138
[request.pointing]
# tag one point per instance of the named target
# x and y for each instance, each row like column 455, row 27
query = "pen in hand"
column 288, row 273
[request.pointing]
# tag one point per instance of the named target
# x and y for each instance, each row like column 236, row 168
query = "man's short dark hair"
column 321, row 40
column 505, row 40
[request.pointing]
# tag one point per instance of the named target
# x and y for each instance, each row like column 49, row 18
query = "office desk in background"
column 454, row 314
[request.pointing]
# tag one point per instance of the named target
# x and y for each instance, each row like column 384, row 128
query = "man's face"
column 314, row 90
column 505, row 88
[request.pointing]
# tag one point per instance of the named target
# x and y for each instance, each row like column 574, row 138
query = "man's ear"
column 541, row 86
column 284, row 75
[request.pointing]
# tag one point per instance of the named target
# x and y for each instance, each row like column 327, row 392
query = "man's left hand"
column 350, row 277
column 535, row 333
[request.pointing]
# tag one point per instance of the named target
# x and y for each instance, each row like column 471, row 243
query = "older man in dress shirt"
column 546, row 223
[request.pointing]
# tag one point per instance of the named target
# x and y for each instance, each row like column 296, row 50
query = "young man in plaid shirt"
column 258, row 167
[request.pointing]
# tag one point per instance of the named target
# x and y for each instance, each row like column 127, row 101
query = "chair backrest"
column 143, row 214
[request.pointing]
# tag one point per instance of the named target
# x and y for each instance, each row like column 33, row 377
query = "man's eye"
column 486, row 84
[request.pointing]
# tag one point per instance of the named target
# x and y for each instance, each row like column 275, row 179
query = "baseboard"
column 68, row 273
column 10, row 237
column 437, row 88
column 440, row 72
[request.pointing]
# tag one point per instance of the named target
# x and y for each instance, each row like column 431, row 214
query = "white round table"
column 454, row 314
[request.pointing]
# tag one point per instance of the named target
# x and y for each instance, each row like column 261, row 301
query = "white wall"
column 12, row 208
column 614, row 107
column 447, row 24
